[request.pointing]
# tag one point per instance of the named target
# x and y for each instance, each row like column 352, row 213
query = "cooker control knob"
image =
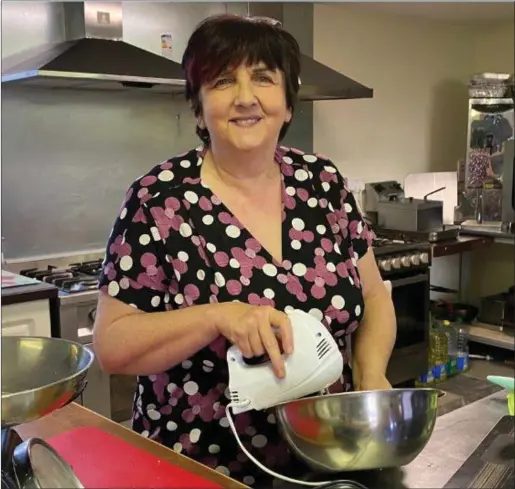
column 424, row 257
column 415, row 259
column 396, row 262
column 405, row 260
column 385, row 265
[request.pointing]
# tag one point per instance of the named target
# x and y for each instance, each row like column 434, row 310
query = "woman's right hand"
column 254, row 330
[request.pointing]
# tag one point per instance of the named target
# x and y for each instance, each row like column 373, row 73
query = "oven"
column 406, row 266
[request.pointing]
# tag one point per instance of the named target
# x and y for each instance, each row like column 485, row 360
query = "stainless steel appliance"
column 386, row 203
column 77, row 277
column 499, row 310
column 508, row 188
column 406, row 264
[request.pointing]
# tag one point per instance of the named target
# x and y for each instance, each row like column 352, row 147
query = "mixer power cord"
column 341, row 484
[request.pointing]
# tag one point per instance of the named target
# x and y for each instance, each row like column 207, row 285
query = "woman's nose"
column 245, row 94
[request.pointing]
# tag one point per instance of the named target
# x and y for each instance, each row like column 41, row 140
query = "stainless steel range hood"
column 96, row 57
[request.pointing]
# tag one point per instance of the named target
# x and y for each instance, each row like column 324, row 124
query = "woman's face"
column 245, row 108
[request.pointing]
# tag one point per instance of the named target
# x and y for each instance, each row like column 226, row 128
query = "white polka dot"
column 249, row 480
column 309, row 158
column 171, row 426
column 337, row 248
column 224, row 422
column 155, row 301
column 338, row 302
column 213, row 449
column 185, row 230
column 208, row 363
column 123, row 213
column 301, row 175
column 271, row 419
column 186, row 364
column 165, row 176
column 195, row 435
column 145, row 433
column 297, row 224
column 321, row 229
column 219, row 279
column 269, row 293
column 234, row 263
column 191, row 197
column 330, row 169
column 326, row 186
column 331, row 267
column 259, row 441
column 155, row 233
column 357, row 310
column 287, row 160
column 312, row 202
column 177, row 447
column 232, row 231
column 347, row 207
column 126, row 263
column 171, row 387
column 250, row 430
column 153, row 414
column 269, row 270
column 144, row 239
column 113, row 289
column 299, row 269
column 290, row 191
column 190, row 388
column 296, row 244
column 360, row 227
column 211, row 247
column 222, row 470
column 179, row 299
column 317, row 313
column 208, row 219
column 201, row 275
column 183, row 256
column 289, row 309
column 185, row 163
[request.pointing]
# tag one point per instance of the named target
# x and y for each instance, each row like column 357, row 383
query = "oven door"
column 409, row 359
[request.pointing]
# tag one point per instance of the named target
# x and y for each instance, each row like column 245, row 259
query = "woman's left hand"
column 372, row 382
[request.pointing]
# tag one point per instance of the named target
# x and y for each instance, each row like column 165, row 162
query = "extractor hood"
column 96, row 57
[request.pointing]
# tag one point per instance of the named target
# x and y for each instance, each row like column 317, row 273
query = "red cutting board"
column 103, row 461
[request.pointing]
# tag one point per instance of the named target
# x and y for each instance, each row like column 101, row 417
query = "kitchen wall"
column 68, row 156
column 417, row 120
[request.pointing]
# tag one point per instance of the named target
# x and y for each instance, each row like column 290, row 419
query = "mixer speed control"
column 396, row 262
column 385, row 265
column 424, row 258
column 405, row 260
column 415, row 260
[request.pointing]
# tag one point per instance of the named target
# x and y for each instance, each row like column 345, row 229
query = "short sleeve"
column 360, row 234
column 135, row 267
column 344, row 202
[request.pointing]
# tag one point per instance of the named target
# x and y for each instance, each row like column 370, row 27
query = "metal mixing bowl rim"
column 61, row 381
column 305, row 400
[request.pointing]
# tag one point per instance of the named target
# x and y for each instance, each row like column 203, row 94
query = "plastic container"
column 438, row 346
column 451, row 332
column 462, row 347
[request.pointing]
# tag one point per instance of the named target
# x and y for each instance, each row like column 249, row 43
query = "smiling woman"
column 214, row 246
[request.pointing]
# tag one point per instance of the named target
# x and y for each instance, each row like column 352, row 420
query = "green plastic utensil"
column 504, row 382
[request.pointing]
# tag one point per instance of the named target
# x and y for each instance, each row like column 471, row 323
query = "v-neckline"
column 201, row 152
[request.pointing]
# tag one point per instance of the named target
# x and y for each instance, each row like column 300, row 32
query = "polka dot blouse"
column 175, row 245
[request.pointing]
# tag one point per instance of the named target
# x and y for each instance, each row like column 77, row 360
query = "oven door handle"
column 422, row 277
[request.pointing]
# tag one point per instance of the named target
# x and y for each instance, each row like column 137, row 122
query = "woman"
column 213, row 246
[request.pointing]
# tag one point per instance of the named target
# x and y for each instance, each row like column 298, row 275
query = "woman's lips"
column 245, row 121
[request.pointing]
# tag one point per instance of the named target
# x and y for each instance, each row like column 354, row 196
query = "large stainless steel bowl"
column 359, row 430
column 40, row 375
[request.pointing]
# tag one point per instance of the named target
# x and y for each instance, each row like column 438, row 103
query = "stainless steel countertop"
column 456, row 435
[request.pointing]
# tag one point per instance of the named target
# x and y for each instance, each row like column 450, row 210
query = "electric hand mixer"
column 315, row 364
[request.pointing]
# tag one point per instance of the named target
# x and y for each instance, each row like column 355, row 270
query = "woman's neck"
column 234, row 166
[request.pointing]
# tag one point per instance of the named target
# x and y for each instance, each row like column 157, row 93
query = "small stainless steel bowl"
column 359, row 430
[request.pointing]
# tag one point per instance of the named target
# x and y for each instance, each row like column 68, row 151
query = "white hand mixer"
column 315, row 364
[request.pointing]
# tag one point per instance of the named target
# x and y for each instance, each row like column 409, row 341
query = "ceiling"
column 445, row 11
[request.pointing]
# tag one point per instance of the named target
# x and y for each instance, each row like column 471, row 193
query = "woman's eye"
column 221, row 82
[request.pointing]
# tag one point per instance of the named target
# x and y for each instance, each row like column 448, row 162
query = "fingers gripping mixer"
column 315, row 364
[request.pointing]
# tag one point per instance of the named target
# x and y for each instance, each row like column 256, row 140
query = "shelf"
column 488, row 334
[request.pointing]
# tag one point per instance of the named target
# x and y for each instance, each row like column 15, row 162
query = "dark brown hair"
column 224, row 41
